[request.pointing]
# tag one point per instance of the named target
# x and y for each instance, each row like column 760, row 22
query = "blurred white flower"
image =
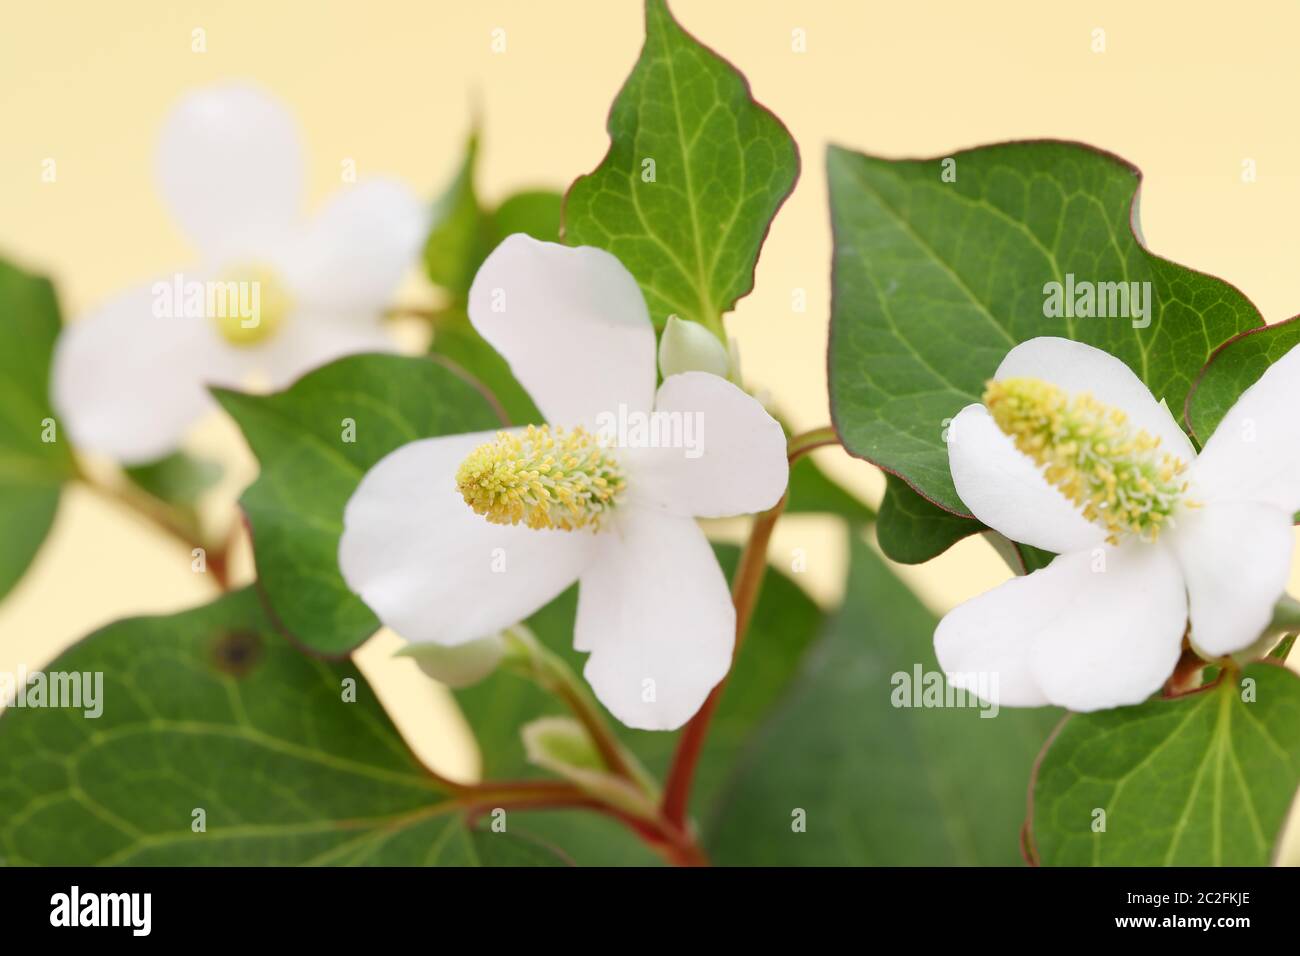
column 1071, row 453
column 450, row 539
column 273, row 295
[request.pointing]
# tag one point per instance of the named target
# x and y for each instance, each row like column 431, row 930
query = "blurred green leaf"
column 875, row 783
column 695, row 172
column 535, row 212
column 309, row 470
column 1201, row 780
column 460, row 235
column 179, row 478
column 32, row 470
column 812, row 491
column 291, row 760
column 463, row 231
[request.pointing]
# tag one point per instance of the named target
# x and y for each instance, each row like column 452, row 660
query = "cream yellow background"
column 1187, row 91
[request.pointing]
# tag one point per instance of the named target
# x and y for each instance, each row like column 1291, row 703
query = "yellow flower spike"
column 249, row 303
column 1089, row 451
column 558, row 479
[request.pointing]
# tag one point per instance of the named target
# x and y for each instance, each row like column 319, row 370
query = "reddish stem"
column 746, row 587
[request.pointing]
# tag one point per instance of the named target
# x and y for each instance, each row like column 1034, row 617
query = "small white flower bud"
column 458, row 666
column 689, row 347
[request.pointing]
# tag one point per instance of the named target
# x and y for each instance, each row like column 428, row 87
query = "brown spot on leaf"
column 237, row 652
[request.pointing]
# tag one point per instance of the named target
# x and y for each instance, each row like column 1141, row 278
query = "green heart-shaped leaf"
column 1201, row 780
column 943, row 265
column 314, row 442
column 217, row 743
column 695, row 172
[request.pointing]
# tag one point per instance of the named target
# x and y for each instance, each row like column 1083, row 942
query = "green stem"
column 538, row 663
column 805, row 442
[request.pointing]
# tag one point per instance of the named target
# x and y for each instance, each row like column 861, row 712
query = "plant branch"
column 746, row 586
column 538, row 663
column 165, row 518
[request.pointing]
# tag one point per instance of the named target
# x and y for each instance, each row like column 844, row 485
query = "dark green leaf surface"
column 308, row 473
column 934, row 282
column 784, row 625
column 722, row 166
column 1032, row 559
column 1203, row 780
column 912, row 530
column 879, row 784
column 32, row 471
column 1235, row 367
column 212, row 710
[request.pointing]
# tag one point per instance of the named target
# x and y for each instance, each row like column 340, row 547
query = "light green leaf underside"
column 934, row 282
column 877, row 784
column 1204, row 780
column 308, row 473
column 211, row 710
column 32, row 471
column 722, row 166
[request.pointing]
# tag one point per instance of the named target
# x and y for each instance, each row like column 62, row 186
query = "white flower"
column 130, row 378
column 1078, row 458
column 654, row 612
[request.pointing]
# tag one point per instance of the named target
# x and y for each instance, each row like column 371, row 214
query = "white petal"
column 461, row 666
column 1006, row 490
column 128, row 383
column 655, row 612
column 1076, row 367
column 719, row 452
column 573, row 325
column 309, row 341
column 358, row 248
column 1254, row 454
column 1236, row 558
column 230, row 166
column 1072, row 634
column 432, row 569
